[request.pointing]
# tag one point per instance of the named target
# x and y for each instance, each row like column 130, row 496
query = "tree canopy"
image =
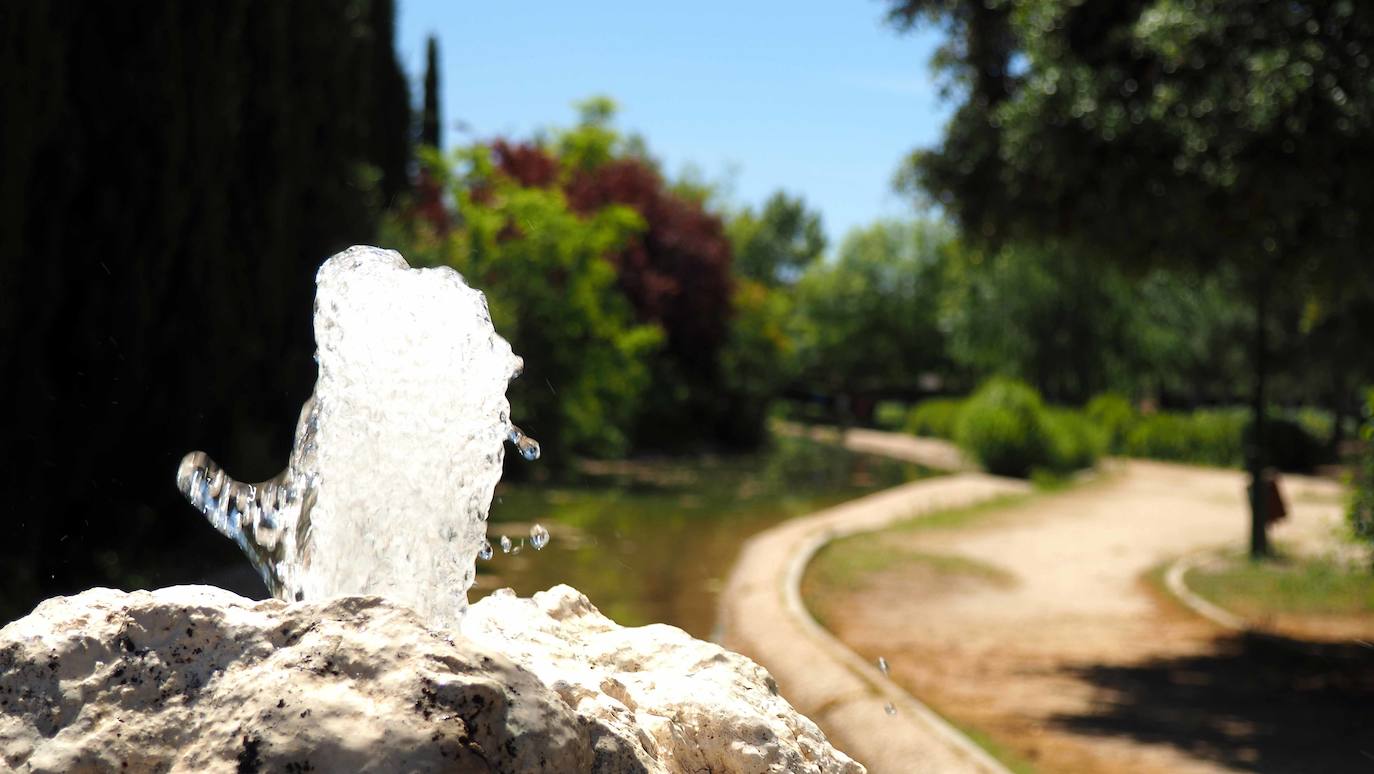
column 775, row 245
column 1209, row 134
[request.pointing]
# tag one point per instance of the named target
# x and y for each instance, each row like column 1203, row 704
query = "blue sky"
column 821, row 99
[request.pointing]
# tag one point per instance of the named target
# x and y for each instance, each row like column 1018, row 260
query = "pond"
column 652, row 541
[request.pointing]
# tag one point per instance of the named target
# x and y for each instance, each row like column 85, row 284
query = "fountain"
column 369, row 657
column 397, row 452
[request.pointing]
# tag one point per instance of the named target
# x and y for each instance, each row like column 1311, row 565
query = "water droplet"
column 527, row 446
column 485, row 551
column 882, row 665
column 889, row 709
column 505, row 544
column 539, row 537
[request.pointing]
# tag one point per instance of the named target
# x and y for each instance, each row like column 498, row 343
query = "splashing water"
column 527, row 446
column 397, row 452
column 539, row 537
column 485, row 551
column 882, row 665
column 505, row 544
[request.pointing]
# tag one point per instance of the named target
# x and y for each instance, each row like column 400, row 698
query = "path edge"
column 898, row 696
column 1176, row 584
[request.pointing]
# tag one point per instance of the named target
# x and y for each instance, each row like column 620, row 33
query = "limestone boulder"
column 194, row 678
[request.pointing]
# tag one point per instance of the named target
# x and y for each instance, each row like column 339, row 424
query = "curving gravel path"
column 1080, row 666
column 1057, row 666
column 763, row 617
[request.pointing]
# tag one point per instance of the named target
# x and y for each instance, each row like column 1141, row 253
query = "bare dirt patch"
column 1079, row 667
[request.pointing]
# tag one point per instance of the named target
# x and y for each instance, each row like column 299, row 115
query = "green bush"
column 1206, row 436
column 1362, row 490
column 1114, row 415
column 890, row 415
column 936, row 418
column 1004, row 427
column 1076, row 441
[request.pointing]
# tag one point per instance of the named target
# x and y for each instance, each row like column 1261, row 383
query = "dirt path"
column 762, row 616
column 1080, row 667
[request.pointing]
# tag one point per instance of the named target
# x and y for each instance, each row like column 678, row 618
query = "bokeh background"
column 1047, row 231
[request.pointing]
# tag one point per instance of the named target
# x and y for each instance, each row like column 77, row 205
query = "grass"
column 1293, row 586
column 954, row 518
column 848, row 563
column 1005, row 756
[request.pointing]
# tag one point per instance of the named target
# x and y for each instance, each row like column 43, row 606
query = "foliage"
column 776, row 245
column 431, row 127
column 1241, row 125
column 1005, row 428
column 674, row 271
column 553, row 294
column 867, row 320
column 1361, row 514
column 890, row 415
column 1041, row 316
column 1115, row 415
column 1076, row 441
column 1205, row 436
column 757, row 361
column 173, row 176
column 935, row 418
column 1193, row 334
column 1218, row 134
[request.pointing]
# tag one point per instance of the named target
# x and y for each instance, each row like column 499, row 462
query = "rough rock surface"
column 676, row 703
column 194, row 678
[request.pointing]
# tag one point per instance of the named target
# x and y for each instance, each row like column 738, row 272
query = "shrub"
column 1004, row 427
column 890, row 415
column 1076, row 441
column 1206, row 436
column 1362, row 495
column 1114, row 415
column 937, row 418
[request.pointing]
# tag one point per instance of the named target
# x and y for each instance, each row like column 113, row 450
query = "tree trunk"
column 1255, row 453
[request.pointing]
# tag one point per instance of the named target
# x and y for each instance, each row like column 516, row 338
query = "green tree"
column 553, row 295
column 867, row 321
column 777, row 244
column 1040, row 316
column 431, row 126
column 1209, row 134
column 390, row 122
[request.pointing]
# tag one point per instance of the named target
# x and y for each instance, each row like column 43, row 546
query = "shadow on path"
column 1255, row 702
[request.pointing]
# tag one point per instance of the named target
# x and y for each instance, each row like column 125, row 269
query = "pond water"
column 652, row 541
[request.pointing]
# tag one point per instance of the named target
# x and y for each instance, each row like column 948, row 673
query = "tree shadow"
column 1255, row 702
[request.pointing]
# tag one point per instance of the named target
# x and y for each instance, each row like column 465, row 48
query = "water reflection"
column 651, row 541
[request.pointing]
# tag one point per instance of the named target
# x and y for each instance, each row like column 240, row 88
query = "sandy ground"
column 1079, row 666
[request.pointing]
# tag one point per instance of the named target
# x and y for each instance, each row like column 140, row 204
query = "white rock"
column 687, row 705
column 194, row 678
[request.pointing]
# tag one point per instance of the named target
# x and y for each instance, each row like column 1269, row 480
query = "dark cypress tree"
column 430, row 123
column 391, row 116
column 174, row 174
